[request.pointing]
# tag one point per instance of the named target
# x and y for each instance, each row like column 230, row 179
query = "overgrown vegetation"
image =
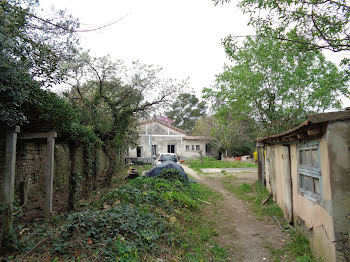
column 297, row 247
column 144, row 219
column 197, row 165
column 104, row 98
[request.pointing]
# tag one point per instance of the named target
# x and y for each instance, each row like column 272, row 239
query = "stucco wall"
column 338, row 143
column 180, row 146
column 195, row 153
column 278, row 179
column 157, row 129
column 315, row 219
column 162, row 136
column 162, row 145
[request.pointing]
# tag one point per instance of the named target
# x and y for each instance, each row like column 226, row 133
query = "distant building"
column 166, row 138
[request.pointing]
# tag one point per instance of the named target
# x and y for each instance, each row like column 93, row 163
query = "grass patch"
column 254, row 194
column 297, row 248
column 142, row 220
column 196, row 164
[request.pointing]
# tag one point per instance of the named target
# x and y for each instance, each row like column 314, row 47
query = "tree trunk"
column 112, row 165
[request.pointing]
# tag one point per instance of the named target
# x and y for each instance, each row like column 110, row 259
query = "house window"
column 187, row 148
column 139, row 151
column 192, row 147
column 171, row 148
column 208, row 149
column 309, row 171
column 154, row 149
column 198, row 147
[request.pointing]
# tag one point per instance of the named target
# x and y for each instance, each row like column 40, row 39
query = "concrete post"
column 49, row 175
column 9, row 185
column 261, row 164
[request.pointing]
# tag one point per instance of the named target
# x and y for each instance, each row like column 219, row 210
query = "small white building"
column 165, row 138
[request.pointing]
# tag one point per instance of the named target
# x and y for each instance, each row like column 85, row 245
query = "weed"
column 143, row 219
column 219, row 252
column 296, row 249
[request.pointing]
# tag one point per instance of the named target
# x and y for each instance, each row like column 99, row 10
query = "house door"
column 287, row 177
column 139, row 151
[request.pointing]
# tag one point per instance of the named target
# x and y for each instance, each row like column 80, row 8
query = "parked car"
column 166, row 157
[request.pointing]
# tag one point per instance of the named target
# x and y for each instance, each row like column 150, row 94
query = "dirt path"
column 240, row 232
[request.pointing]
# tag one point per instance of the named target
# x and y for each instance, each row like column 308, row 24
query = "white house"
column 165, row 138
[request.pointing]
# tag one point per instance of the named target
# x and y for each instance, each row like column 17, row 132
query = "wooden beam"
column 301, row 136
column 9, row 185
column 37, row 135
column 49, row 175
column 314, row 132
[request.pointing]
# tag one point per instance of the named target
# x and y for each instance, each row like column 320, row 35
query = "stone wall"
column 2, row 159
column 30, row 170
column 31, row 174
column 62, row 167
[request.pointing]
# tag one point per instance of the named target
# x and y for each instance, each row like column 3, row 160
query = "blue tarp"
column 155, row 171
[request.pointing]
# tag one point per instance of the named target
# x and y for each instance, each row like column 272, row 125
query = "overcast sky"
column 182, row 36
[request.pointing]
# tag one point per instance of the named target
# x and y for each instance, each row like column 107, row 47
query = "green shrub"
column 123, row 230
column 167, row 194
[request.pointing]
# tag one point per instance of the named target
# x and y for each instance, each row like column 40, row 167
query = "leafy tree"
column 276, row 85
column 31, row 49
column 112, row 97
column 316, row 24
column 185, row 111
column 203, row 126
column 232, row 134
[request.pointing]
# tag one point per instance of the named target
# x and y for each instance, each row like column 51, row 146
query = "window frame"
column 154, row 149
column 198, row 147
column 310, row 171
column 187, row 147
column 169, row 148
